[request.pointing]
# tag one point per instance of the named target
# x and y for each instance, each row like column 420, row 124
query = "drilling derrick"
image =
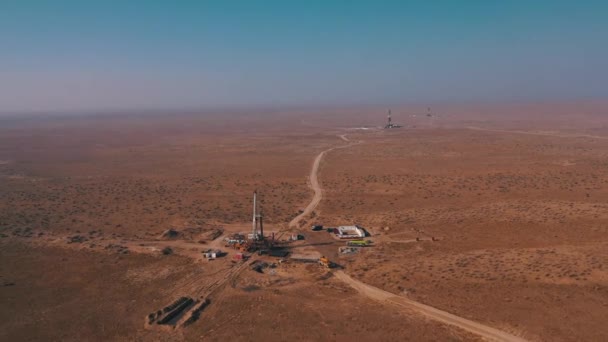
column 389, row 122
column 256, row 233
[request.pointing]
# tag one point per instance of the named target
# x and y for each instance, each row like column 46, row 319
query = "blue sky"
column 95, row 55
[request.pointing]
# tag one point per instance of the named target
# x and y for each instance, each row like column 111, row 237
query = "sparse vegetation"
column 514, row 222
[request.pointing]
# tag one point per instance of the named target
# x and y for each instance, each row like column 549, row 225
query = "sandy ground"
column 520, row 222
column 66, row 294
column 497, row 219
column 377, row 294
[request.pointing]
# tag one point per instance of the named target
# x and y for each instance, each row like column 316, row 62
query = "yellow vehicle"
column 358, row 243
column 323, row 261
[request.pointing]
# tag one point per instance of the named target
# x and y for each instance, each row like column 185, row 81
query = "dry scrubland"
column 521, row 221
column 60, row 295
column 142, row 175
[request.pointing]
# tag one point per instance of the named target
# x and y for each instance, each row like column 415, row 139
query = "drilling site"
column 363, row 231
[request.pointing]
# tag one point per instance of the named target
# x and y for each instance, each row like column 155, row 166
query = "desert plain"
column 495, row 216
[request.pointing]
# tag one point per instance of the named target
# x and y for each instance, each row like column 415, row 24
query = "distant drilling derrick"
column 257, row 232
column 389, row 123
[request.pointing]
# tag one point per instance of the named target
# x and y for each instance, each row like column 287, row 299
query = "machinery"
column 323, row 261
column 242, row 246
column 389, row 123
column 256, row 239
column 358, row 243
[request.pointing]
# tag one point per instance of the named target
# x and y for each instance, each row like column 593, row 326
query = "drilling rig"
column 257, row 226
column 389, row 123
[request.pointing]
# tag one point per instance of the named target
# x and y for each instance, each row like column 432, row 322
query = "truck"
column 358, row 243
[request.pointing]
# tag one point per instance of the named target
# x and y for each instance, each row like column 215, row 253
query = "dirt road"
column 314, row 184
column 384, row 296
column 432, row 313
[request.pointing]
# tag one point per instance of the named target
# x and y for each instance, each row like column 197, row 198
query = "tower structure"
column 257, row 234
column 389, row 122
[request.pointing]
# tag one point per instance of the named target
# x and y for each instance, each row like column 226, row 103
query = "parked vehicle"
column 358, row 243
column 317, row 227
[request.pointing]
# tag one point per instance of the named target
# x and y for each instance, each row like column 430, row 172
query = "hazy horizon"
column 68, row 56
